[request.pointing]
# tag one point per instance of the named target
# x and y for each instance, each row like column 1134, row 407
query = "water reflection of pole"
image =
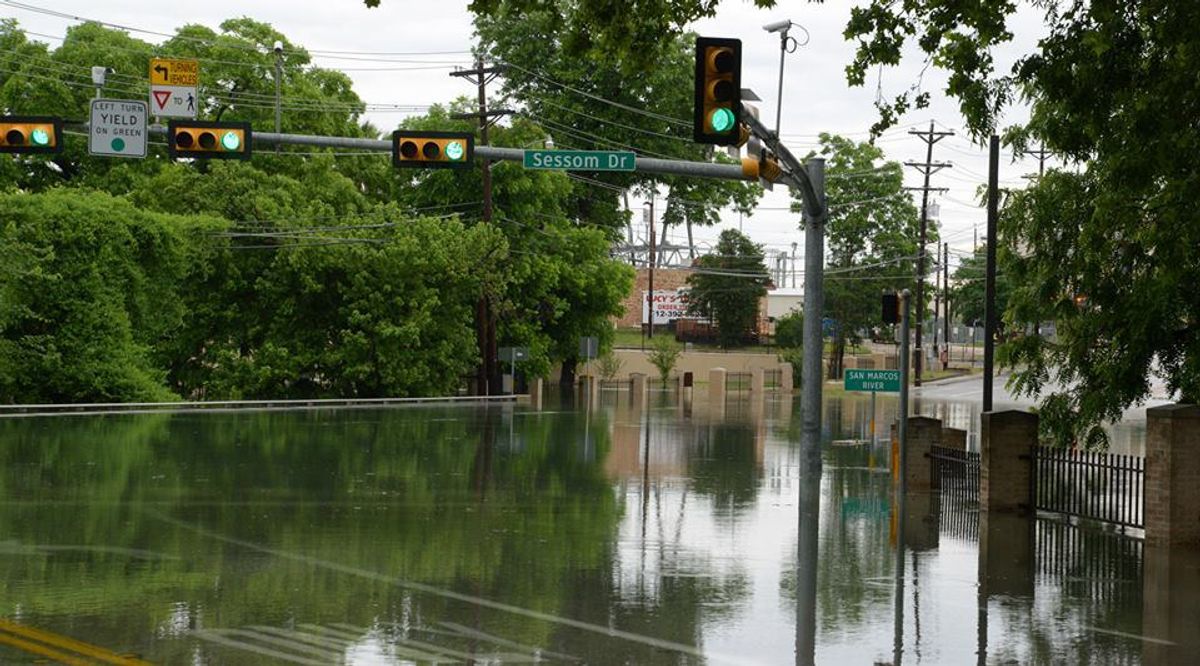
column 806, row 556
column 900, row 490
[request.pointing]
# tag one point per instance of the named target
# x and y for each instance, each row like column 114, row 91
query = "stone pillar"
column 758, row 381
column 953, row 438
column 535, row 393
column 1006, row 469
column 786, row 377
column 924, row 433
column 637, row 386
column 716, row 388
column 1172, row 512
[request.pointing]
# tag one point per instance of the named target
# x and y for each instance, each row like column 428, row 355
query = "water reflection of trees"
column 510, row 508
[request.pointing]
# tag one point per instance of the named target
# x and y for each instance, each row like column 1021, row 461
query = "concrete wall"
column 698, row 363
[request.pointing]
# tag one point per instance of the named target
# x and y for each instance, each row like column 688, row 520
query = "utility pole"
column 946, row 302
column 1041, row 153
column 487, row 378
column 653, row 260
column 928, row 168
column 937, row 298
column 278, row 90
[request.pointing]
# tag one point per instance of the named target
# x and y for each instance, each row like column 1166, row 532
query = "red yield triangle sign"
column 162, row 97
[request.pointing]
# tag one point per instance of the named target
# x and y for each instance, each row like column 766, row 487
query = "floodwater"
column 669, row 531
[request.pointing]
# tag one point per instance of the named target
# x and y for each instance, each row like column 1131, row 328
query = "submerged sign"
column 580, row 160
column 874, row 381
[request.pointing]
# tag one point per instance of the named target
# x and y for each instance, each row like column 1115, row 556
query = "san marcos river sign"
column 875, row 381
column 580, row 160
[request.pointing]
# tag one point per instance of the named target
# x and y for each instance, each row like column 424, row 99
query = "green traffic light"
column 231, row 141
column 455, row 151
column 721, row 120
column 40, row 137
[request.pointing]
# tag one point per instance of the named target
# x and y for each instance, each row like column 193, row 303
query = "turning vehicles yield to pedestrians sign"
column 173, row 87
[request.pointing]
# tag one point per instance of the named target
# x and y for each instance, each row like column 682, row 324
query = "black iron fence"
column 1088, row 484
column 773, row 378
column 955, row 472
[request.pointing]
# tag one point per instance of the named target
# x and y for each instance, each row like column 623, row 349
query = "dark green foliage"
column 871, row 241
column 88, row 287
column 324, row 277
column 789, row 330
column 729, row 286
column 967, row 295
column 1108, row 254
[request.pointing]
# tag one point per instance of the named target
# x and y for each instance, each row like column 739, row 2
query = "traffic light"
column 717, row 113
column 432, row 150
column 30, row 134
column 891, row 308
column 206, row 140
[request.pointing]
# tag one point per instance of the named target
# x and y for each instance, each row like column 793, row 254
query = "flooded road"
column 664, row 531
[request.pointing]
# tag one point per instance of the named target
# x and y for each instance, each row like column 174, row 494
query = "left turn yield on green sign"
column 117, row 128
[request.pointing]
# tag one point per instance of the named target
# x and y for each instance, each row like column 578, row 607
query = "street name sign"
column 117, row 128
column 874, row 381
column 173, row 87
column 580, row 160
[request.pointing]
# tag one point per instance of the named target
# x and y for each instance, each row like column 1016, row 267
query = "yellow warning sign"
column 166, row 72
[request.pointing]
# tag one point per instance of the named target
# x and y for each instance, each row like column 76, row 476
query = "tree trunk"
column 566, row 378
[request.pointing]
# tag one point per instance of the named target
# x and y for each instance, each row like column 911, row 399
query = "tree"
column 727, row 287
column 89, row 285
column 789, row 330
column 1108, row 254
column 664, row 352
column 584, row 96
column 967, row 295
column 871, row 239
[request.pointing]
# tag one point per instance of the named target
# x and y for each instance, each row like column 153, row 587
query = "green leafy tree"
column 967, row 296
column 664, row 353
column 1108, row 254
column 789, row 330
column 89, row 285
column 728, row 287
column 871, row 239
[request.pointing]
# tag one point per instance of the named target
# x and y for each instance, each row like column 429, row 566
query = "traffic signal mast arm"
column 795, row 174
column 643, row 164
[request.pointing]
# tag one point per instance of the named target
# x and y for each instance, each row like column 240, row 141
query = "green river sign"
column 874, row 381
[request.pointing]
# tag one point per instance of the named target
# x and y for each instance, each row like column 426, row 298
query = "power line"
column 598, row 98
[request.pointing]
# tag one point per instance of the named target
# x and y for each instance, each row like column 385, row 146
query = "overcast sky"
column 816, row 97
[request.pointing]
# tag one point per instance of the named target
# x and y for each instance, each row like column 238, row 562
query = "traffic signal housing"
column 30, row 134
column 717, row 111
column 891, row 308
column 208, row 140
column 432, row 150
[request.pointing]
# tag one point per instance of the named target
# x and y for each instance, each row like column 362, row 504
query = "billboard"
column 669, row 304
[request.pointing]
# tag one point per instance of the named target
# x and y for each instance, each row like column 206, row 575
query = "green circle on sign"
column 230, row 141
column 455, row 151
column 40, row 137
column 118, row 144
column 721, row 120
